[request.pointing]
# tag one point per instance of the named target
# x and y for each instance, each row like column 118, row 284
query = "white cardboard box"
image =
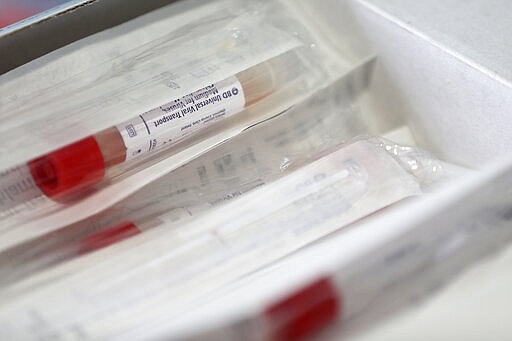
column 444, row 68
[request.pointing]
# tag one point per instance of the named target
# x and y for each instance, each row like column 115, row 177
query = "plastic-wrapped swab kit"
column 260, row 156
column 165, row 204
column 336, row 189
column 235, row 66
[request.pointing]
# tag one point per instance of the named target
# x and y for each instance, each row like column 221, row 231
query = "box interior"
column 429, row 76
column 448, row 80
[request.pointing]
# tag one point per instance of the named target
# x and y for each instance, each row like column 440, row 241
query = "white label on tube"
column 176, row 120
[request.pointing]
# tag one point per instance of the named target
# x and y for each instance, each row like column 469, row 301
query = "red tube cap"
column 304, row 312
column 108, row 237
column 69, row 170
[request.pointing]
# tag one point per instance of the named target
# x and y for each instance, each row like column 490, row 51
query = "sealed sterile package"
column 260, row 155
column 152, row 107
column 153, row 277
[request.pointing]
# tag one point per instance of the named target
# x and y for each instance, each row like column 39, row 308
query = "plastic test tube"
column 75, row 167
column 54, row 252
column 306, row 311
column 126, row 229
column 108, row 237
column 389, row 278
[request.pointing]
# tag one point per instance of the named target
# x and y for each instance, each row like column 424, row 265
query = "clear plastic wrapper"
column 260, row 155
column 429, row 170
column 257, row 156
column 315, row 199
column 161, row 100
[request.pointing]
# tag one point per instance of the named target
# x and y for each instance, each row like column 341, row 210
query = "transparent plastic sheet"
column 241, row 41
column 210, row 48
column 154, row 277
column 260, row 155
column 431, row 172
column 46, row 172
column 337, row 119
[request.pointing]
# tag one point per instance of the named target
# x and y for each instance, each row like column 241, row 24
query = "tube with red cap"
column 304, row 312
column 69, row 170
